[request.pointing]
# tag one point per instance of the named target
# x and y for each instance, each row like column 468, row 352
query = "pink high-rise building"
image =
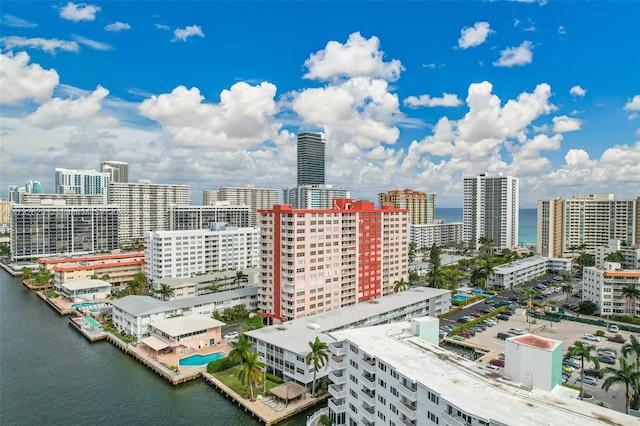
column 313, row 261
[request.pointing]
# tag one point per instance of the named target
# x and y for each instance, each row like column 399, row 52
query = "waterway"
column 49, row 374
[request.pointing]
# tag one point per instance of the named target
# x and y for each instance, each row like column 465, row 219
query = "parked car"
column 503, row 317
column 607, row 359
column 231, row 336
column 593, row 373
column 613, row 328
column 507, row 312
column 590, row 380
column 489, row 322
column 617, row 339
column 486, row 310
column 571, row 363
column 443, row 333
column 476, row 314
column 492, row 367
column 608, row 351
column 567, row 368
column 516, row 331
column 465, row 334
column 591, row 337
column 463, row 320
column 503, row 336
column 497, row 362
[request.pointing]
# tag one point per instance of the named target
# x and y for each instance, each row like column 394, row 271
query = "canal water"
column 49, row 374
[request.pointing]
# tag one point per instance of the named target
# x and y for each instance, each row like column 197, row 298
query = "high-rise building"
column 567, row 227
column 61, row 199
column 33, row 187
column 53, row 229
column 436, row 232
column 318, row 260
column 178, row 254
column 491, row 209
column 188, row 217
column 13, row 193
column 144, row 206
column 82, row 182
column 256, row 198
column 118, row 170
column 422, row 207
column 603, row 286
column 310, row 159
column 313, row 196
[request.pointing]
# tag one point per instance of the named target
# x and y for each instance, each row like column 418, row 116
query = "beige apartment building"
column 422, row 206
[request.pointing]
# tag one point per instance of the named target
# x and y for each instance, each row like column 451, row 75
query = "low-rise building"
column 390, row 374
column 198, row 285
column 515, row 273
column 79, row 291
column 631, row 255
column 603, row 286
column 117, row 268
column 436, row 232
column 534, row 360
column 283, row 347
column 184, row 334
column 132, row 315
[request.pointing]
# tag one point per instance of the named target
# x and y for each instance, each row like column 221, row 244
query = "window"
column 433, row 417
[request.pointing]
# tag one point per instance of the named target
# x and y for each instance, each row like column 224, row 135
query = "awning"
column 155, row 343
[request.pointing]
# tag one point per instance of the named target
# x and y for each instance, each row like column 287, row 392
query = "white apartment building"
column 199, row 285
column 591, row 220
column 391, row 375
column 188, row 217
column 132, row 314
column 284, row 346
column 603, row 286
column 186, row 253
column 313, row 196
column 62, row 199
column 631, row 254
column 491, row 209
column 317, row 260
column 83, row 182
column 437, row 232
column 515, row 273
column 144, row 206
column 255, row 198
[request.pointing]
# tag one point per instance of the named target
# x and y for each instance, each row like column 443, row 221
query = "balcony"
column 337, row 405
column 369, row 381
column 338, row 377
column 368, row 365
column 408, row 422
column 368, row 396
column 368, row 414
column 337, row 349
column 337, row 362
column 338, row 391
column 408, row 409
column 408, row 391
column 449, row 419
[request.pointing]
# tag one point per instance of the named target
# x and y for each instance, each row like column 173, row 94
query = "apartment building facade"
column 144, row 206
column 491, row 209
column 255, row 198
column 603, row 286
column 69, row 181
column 188, row 217
column 186, row 253
column 118, row 170
column 318, row 260
column 313, row 196
column 62, row 199
column 437, row 232
column 422, row 206
column 515, row 273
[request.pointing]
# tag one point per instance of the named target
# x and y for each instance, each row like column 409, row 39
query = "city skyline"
column 410, row 95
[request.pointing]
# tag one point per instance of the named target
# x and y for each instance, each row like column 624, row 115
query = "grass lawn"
column 50, row 294
column 230, row 378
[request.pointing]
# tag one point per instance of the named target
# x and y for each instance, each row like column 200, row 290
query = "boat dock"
column 89, row 331
column 51, row 302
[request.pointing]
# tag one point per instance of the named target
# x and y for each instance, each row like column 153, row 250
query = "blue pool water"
column 93, row 322
column 459, row 298
column 85, row 305
column 200, row 359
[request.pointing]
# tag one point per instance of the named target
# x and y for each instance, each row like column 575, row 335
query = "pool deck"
column 89, row 331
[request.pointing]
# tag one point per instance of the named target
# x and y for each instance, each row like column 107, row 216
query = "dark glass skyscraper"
column 310, row 159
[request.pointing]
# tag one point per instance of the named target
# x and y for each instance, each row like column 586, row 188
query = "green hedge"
column 274, row 378
column 220, row 364
column 468, row 325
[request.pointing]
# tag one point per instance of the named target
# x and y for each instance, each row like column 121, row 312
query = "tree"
column 400, row 285
column 240, row 276
column 105, row 277
column 628, row 375
column 213, row 288
column 434, row 257
column 436, row 278
column 587, row 307
column 633, row 348
column 567, row 289
column 631, row 292
column 5, row 251
column 241, row 348
column 584, row 352
column 27, row 273
column 134, row 287
column 615, row 256
column 251, row 371
column 318, row 356
column 253, row 323
column 165, row 291
column 486, row 246
column 412, row 251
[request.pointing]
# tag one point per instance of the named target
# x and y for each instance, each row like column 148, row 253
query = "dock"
column 51, row 302
column 259, row 409
column 91, row 333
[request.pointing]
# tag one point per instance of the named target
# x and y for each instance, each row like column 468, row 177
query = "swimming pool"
column 196, row 360
column 93, row 322
column 459, row 298
column 86, row 305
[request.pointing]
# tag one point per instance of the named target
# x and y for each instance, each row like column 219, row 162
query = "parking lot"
column 565, row 331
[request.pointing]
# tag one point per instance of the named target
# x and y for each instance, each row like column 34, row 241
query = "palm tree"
column 27, row 273
column 165, row 291
column 486, row 246
column 632, row 293
column 134, row 287
column 241, row 348
column 567, row 289
column 400, row 285
column 318, row 356
column 633, row 347
column 239, row 277
column 105, row 277
column 584, row 351
column 213, row 288
column 626, row 374
column 251, row 371
column 436, row 278
column 615, row 256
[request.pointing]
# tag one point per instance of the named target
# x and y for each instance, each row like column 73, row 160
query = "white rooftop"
column 178, row 326
column 470, row 386
column 86, row 284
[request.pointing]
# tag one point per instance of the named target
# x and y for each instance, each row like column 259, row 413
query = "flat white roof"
column 86, row 284
column 186, row 324
column 471, row 387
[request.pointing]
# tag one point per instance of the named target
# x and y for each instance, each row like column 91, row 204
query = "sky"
column 410, row 94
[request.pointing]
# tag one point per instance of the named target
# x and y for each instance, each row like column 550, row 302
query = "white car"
column 231, row 336
column 591, row 337
column 590, row 380
column 492, row 367
column 517, row 331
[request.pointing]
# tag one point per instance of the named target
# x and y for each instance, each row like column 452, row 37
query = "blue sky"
column 408, row 94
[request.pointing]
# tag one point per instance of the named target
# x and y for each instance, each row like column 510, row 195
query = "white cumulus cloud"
column 48, row 45
column 447, row 100
column 633, row 104
column 79, row 12
column 512, row 56
column 117, row 26
column 20, row 81
column 358, row 57
column 182, row 34
column 474, row 36
column 577, row 91
column 563, row 124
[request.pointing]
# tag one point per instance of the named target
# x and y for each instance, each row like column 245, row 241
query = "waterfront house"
column 79, row 291
column 184, row 334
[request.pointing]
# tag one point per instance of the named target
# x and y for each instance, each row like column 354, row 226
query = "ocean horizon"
column 527, row 230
